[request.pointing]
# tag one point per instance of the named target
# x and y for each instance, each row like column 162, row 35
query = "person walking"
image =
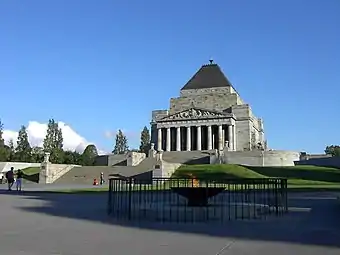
column 102, row 180
column 19, row 180
column 10, row 178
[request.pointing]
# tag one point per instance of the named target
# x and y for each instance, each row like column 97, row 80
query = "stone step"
column 86, row 174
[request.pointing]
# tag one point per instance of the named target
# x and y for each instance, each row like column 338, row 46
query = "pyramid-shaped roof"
column 208, row 76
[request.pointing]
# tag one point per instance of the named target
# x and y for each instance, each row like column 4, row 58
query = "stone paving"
column 43, row 223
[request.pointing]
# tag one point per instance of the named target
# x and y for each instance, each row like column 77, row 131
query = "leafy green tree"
column 37, row 155
column 23, row 149
column 2, row 141
column 4, row 150
column 53, row 142
column 121, row 145
column 333, row 150
column 72, row 158
column 89, row 155
column 11, row 151
column 145, row 140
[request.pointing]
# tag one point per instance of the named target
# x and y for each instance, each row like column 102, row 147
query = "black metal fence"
column 193, row 200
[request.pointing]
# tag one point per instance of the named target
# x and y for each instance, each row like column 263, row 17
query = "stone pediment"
column 194, row 113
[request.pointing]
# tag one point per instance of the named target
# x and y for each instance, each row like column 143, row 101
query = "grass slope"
column 31, row 174
column 298, row 176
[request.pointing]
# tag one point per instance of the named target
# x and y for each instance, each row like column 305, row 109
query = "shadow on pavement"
column 317, row 224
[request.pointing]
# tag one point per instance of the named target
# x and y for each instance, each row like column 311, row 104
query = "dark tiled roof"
column 208, row 76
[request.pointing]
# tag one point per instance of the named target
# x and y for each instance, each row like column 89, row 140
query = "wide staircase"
column 187, row 157
column 86, row 174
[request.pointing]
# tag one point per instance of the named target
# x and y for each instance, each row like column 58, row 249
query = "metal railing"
column 195, row 200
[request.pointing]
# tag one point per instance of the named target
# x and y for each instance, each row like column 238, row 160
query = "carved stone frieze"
column 194, row 113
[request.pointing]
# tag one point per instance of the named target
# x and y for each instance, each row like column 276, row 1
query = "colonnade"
column 192, row 138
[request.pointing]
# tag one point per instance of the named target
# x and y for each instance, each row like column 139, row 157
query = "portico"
column 196, row 129
column 208, row 113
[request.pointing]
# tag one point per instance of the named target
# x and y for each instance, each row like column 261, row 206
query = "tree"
column 4, row 151
column 37, row 155
column 23, row 149
column 89, row 155
column 121, row 145
column 144, row 141
column 11, row 150
column 333, row 150
column 72, row 158
column 53, row 142
column 2, row 141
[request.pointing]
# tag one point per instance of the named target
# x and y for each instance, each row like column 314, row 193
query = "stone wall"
column 163, row 169
column 49, row 172
column 6, row 166
column 243, row 135
column 111, row 160
column 217, row 102
column 325, row 161
column 134, row 158
column 261, row 158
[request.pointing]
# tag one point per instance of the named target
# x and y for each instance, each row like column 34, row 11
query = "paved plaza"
column 37, row 223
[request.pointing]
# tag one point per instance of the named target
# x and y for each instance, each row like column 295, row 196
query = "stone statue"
column 152, row 151
column 220, row 156
column 159, row 156
column 47, row 157
column 226, row 146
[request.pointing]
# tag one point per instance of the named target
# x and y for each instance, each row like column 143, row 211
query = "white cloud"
column 37, row 131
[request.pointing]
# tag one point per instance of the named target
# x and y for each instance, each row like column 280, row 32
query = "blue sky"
column 103, row 65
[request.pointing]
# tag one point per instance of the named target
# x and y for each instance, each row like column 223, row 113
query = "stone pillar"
column 47, row 157
column 159, row 139
column 220, row 141
column 230, row 137
column 178, row 139
column 152, row 151
column 199, row 141
column 234, row 138
column 168, row 139
column 209, row 138
column 188, row 139
column 45, row 174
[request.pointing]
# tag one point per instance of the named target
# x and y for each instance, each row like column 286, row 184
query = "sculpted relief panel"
column 195, row 114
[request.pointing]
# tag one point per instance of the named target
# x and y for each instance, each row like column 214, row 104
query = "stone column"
column 234, row 137
column 220, row 141
column 168, row 139
column 159, row 139
column 209, row 138
column 188, row 139
column 45, row 173
column 178, row 139
column 199, row 141
column 230, row 137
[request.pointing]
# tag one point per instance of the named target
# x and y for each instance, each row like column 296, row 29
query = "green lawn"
column 31, row 174
column 31, row 170
column 298, row 176
column 308, row 177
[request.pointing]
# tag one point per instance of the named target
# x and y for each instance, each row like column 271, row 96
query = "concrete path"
column 43, row 223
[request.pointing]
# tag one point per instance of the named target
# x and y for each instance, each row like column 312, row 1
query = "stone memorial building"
column 208, row 114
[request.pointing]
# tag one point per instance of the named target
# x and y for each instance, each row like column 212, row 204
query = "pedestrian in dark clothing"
column 102, row 180
column 10, row 178
column 19, row 180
